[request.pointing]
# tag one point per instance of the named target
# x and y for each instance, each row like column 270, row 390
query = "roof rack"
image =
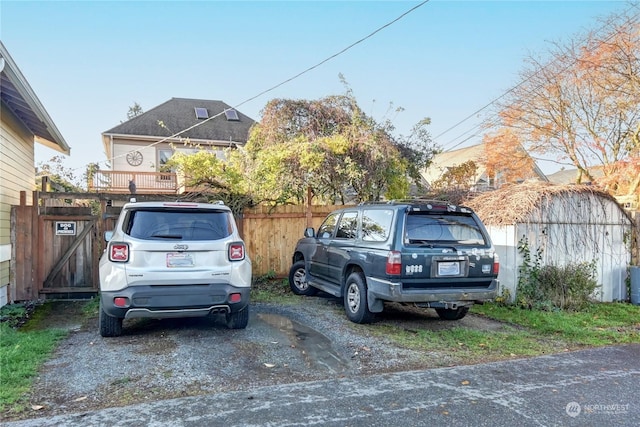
column 420, row 204
column 406, row 201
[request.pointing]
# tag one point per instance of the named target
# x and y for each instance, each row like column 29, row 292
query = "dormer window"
column 231, row 115
column 201, row 113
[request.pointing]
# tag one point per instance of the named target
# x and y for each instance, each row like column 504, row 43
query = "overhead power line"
column 177, row 134
column 493, row 101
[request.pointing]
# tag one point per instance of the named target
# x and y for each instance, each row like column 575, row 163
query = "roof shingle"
column 177, row 115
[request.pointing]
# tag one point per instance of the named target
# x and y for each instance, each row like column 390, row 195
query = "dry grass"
column 514, row 203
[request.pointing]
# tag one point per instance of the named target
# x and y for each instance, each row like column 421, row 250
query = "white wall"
column 570, row 230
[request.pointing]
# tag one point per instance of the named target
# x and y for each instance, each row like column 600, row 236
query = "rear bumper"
column 161, row 302
column 436, row 297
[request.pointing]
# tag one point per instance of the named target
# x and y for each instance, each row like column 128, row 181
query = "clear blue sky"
column 89, row 61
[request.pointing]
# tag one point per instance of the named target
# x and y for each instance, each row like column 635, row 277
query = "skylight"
column 201, row 113
column 231, row 114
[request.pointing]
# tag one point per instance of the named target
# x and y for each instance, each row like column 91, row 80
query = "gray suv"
column 166, row 260
column 427, row 253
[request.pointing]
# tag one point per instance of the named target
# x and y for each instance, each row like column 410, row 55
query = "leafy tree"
column 61, row 178
column 332, row 150
column 459, row 177
column 582, row 104
column 326, row 150
column 204, row 171
column 505, row 160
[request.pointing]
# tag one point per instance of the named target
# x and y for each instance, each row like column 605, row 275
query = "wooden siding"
column 18, row 174
column 149, row 148
column 149, row 156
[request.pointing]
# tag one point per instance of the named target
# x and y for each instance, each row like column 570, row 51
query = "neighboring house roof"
column 178, row 116
column 568, row 176
column 17, row 95
column 443, row 161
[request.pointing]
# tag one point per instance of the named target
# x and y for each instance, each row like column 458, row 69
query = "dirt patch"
column 410, row 317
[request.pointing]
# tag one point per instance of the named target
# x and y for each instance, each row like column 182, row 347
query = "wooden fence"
column 43, row 262
column 55, row 250
column 47, row 262
column 271, row 234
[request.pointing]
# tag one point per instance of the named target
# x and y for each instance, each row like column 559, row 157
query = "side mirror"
column 309, row 232
column 108, row 235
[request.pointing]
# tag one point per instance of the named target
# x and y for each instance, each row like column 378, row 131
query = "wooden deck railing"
column 145, row 182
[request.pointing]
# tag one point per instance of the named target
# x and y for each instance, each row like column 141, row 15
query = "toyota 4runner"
column 428, row 253
column 166, row 260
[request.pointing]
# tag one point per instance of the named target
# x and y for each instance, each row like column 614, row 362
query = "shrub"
column 568, row 287
column 552, row 287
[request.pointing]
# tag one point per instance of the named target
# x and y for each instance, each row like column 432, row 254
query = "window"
column 179, row 225
column 348, row 226
column 201, row 113
column 376, row 224
column 231, row 115
column 421, row 228
column 163, row 158
column 326, row 229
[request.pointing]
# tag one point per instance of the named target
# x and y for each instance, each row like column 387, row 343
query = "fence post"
column 308, row 213
column 635, row 240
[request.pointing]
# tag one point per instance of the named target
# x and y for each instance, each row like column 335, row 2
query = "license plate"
column 451, row 268
column 179, row 260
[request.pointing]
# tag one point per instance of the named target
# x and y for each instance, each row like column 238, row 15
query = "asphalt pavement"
column 595, row 387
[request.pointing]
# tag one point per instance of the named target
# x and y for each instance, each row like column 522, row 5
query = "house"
column 138, row 149
column 23, row 123
column 481, row 179
column 569, row 176
column 570, row 224
column 630, row 202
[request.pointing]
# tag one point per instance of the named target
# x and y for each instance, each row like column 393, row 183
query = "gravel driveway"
column 156, row 359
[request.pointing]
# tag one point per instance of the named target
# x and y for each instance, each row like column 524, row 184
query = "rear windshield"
column 179, row 225
column 422, row 228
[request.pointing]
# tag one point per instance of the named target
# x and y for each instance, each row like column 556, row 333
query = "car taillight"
column 119, row 252
column 121, row 301
column 394, row 263
column 496, row 264
column 236, row 252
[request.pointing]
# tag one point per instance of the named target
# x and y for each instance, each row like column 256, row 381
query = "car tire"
column 238, row 319
column 298, row 282
column 355, row 299
column 109, row 326
column 452, row 314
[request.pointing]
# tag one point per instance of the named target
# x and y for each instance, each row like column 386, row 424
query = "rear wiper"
column 420, row 241
column 430, row 244
column 167, row 236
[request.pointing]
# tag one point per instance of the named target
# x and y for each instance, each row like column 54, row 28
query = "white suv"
column 166, row 260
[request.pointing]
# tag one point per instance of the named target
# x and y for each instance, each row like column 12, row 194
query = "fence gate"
column 55, row 251
column 68, row 241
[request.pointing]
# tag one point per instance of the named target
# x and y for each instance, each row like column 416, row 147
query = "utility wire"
column 177, row 134
column 478, row 111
